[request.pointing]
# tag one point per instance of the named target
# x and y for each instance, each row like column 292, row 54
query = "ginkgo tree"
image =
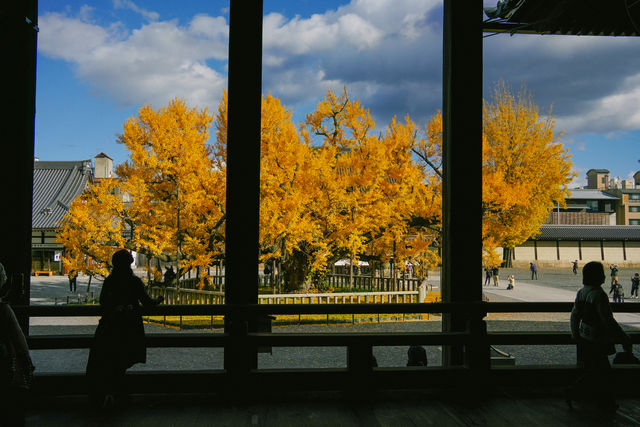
column 331, row 189
column 175, row 207
column 368, row 187
column 93, row 229
column 525, row 172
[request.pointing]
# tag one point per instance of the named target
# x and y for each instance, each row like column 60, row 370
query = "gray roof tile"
column 55, row 185
column 589, row 232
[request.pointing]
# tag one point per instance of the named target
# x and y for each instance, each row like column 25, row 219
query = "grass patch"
column 217, row 322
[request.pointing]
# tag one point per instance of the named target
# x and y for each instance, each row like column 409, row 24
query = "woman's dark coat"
column 119, row 341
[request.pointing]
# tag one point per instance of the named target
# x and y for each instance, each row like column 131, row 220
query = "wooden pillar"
column 18, row 33
column 243, row 178
column 462, row 163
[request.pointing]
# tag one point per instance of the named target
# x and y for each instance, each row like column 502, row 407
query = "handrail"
column 471, row 308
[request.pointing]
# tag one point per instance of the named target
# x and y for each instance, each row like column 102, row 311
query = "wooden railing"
column 336, row 281
column 240, row 343
column 190, row 296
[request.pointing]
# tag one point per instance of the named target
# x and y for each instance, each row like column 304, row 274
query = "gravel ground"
column 311, row 357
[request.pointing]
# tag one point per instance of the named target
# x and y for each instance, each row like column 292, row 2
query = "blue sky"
column 99, row 61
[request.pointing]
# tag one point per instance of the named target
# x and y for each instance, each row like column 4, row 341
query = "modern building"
column 604, row 201
column 586, row 206
column 628, row 194
column 55, row 185
column 598, row 179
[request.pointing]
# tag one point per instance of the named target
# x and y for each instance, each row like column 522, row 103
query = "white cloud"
column 388, row 53
column 151, row 64
column 128, row 4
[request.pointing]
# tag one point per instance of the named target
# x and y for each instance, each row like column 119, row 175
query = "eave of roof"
column 564, row 17
column 589, row 194
column 589, row 232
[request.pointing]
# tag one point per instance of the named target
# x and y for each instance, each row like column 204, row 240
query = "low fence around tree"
column 336, row 281
column 192, row 296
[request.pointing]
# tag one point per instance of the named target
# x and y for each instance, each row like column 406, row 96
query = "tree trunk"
column 89, row 284
column 507, row 255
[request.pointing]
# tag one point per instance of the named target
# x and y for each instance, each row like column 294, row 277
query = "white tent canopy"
column 348, row 262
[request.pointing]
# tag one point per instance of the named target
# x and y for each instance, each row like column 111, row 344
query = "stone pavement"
column 555, row 286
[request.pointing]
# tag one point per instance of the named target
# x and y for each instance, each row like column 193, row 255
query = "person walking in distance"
column 575, row 267
column 534, row 271
column 614, row 273
column 595, row 331
column 635, row 283
column 495, row 273
column 487, row 276
column 73, row 276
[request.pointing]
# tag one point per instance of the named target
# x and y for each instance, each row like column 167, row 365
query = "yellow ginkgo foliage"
column 93, row 229
column 176, row 192
column 525, row 171
column 368, row 188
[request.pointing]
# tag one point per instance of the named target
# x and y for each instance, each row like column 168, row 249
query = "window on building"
column 634, row 196
column 634, row 222
column 634, row 208
column 592, row 206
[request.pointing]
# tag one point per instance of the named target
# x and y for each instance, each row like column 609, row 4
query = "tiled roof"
column 589, row 232
column 589, row 194
column 55, row 185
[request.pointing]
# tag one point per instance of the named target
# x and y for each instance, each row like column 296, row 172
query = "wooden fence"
column 190, row 296
column 336, row 281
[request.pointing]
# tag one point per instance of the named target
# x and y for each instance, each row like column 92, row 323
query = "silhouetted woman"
column 119, row 339
column 595, row 331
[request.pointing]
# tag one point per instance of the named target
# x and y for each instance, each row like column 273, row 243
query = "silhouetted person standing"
column 119, row 338
column 417, row 356
column 169, row 276
column 12, row 336
column 575, row 266
column 595, row 331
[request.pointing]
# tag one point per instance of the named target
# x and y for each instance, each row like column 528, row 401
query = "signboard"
column 57, row 255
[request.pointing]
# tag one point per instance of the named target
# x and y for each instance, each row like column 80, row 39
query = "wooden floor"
column 502, row 408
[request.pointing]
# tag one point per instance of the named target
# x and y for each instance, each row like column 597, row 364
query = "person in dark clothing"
column 13, row 340
column 119, row 338
column 534, row 271
column 487, row 276
column 575, row 266
column 595, row 331
column 417, row 356
column 169, row 276
column 495, row 273
column 73, row 275
column 635, row 283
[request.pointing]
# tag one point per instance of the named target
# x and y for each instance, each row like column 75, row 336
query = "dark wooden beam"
column 18, row 33
column 243, row 175
column 462, row 160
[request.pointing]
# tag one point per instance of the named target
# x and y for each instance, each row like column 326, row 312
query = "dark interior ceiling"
column 569, row 17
